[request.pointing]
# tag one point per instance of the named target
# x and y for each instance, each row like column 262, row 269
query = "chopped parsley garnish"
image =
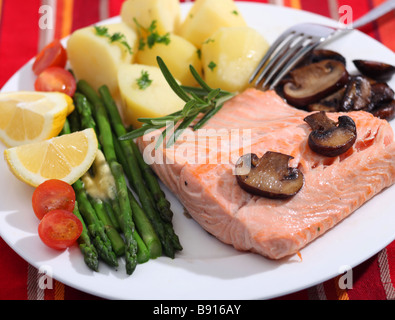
column 116, row 37
column 144, row 81
column 212, row 65
column 235, row 12
column 151, row 35
column 101, row 31
column 208, row 41
column 199, row 54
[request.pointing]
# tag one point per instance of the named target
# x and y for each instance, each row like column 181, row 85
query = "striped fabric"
column 21, row 39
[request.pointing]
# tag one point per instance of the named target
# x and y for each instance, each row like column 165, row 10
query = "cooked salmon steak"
column 199, row 170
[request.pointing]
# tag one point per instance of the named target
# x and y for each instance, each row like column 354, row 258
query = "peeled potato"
column 95, row 59
column 206, row 17
column 178, row 55
column 166, row 13
column 156, row 100
column 231, row 56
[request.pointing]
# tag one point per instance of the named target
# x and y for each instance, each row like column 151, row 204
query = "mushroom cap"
column 314, row 81
column 268, row 176
column 329, row 138
column 374, row 69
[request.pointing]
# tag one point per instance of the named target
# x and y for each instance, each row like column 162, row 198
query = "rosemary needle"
column 198, row 100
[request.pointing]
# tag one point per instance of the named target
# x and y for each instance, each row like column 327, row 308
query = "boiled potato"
column 178, row 55
column 231, row 56
column 155, row 100
column 96, row 59
column 166, row 13
column 206, row 17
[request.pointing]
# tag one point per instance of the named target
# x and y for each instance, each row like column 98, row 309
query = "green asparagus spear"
column 111, row 215
column 125, row 217
column 105, row 136
column 87, row 248
column 84, row 109
column 142, row 250
column 74, row 121
column 94, row 225
column 66, row 128
column 117, row 242
column 145, row 228
column 152, row 182
column 165, row 232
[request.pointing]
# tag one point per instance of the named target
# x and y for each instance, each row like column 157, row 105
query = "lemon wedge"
column 66, row 157
column 32, row 116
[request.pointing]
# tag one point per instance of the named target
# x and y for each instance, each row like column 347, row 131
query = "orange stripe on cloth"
column 1, row 7
column 64, row 18
column 296, row 4
column 67, row 17
column 341, row 293
column 59, row 290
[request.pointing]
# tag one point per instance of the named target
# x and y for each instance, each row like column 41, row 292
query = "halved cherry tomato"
column 52, row 194
column 59, row 229
column 53, row 55
column 56, row 79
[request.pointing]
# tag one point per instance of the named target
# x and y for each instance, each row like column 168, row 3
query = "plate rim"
column 66, row 281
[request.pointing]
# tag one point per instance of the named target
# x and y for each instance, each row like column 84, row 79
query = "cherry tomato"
column 52, row 194
column 53, row 55
column 59, row 229
column 56, row 79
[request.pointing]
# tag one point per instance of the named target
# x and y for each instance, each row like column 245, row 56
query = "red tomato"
column 52, row 194
column 56, row 79
column 53, row 55
column 59, row 229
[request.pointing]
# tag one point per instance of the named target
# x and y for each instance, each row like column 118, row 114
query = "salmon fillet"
column 199, row 170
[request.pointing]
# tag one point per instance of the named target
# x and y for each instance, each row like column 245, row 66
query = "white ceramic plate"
column 207, row 268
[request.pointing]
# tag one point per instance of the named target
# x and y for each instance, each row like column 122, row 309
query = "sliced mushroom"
column 381, row 93
column 311, row 83
column 330, row 138
column 324, row 54
column 385, row 111
column 358, row 94
column 377, row 70
column 330, row 103
column 268, row 176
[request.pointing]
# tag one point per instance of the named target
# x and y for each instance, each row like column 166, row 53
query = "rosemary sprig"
column 203, row 100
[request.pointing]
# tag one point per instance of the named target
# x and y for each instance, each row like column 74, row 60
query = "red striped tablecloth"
column 21, row 38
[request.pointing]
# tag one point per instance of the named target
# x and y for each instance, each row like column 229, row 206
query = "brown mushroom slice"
column 375, row 69
column 311, row 83
column 330, row 103
column 330, row 138
column 268, row 176
column 385, row 111
column 325, row 54
column 381, row 93
column 358, row 95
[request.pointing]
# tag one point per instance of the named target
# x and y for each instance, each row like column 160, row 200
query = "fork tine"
column 276, row 57
column 291, row 51
column 293, row 61
column 269, row 53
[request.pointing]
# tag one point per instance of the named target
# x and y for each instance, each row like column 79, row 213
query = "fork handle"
column 374, row 14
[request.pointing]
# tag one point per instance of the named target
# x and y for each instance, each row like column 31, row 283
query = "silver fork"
column 297, row 41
